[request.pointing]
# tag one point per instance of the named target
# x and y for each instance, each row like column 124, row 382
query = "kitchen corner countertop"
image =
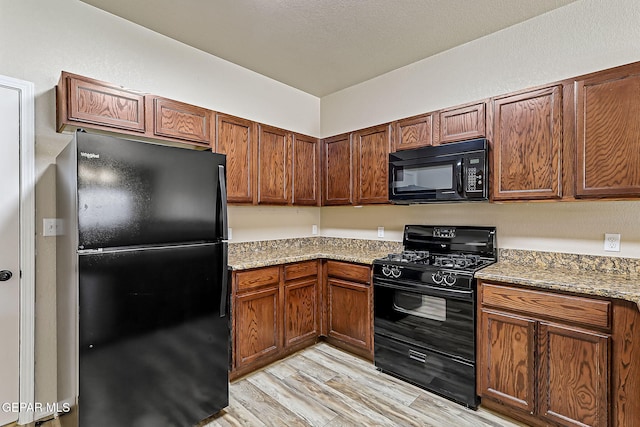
column 589, row 275
column 243, row 256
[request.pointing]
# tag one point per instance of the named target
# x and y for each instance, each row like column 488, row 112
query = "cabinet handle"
column 417, row 356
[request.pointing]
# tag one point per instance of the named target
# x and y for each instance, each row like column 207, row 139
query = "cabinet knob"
column 5, row 275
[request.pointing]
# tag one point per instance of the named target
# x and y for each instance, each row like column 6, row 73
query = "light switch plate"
column 314, row 229
column 51, row 227
column 380, row 231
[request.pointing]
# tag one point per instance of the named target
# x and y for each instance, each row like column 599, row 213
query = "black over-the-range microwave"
column 443, row 173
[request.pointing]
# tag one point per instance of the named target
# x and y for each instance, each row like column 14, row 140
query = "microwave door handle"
column 459, row 177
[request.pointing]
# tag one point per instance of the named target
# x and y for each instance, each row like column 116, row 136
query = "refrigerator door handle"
column 225, row 283
column 222, row 188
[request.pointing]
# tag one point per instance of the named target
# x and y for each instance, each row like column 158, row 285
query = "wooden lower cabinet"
column 536, row 365
column 275, row 312
column 349, row 307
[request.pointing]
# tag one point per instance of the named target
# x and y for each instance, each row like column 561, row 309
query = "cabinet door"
column 257, row 332
column 573, row 376
column 337, row 170
column 300, row 310
column 305, row 170
column 527, row 145
column 349, row 312
column 173, row 119
column 506, row 359
column 98, row 104
column 274, row 186
column 460, row 123
column 372, row 171
column 235, row 137
column 608, row 134
column 414, row 132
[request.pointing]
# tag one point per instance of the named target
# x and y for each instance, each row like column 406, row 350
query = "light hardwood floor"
column 324, row 386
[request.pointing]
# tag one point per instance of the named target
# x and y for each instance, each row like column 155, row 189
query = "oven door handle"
column 426, row 290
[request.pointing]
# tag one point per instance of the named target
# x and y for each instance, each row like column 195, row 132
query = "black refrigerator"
column 142, row 283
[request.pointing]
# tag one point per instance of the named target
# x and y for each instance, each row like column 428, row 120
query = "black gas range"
column 424, row 307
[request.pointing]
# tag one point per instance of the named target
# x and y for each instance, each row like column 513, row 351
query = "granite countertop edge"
column 606, row 284
column 286, row 259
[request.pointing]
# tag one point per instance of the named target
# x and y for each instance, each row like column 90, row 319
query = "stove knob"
column 395, row 272
column 449, row 279
column 386, row 270
column 437, row 277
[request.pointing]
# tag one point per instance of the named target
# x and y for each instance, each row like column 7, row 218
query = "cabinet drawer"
column 300, row 269
column 252, row 279
column 354, row 272
column 565, row 308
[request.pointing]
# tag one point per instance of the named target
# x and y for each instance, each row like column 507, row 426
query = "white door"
column 9, row 252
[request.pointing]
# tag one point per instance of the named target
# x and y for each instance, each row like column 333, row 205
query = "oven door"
column 441, row 320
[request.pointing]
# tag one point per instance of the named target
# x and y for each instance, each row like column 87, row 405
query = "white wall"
column 40, row 38
column 585, row 36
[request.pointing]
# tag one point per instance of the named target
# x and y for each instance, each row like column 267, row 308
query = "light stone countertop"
column 590, row 275
column 243, row 256
column 610, row 277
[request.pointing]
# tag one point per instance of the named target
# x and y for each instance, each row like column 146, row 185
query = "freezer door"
column 135, row 193
column 154, row 346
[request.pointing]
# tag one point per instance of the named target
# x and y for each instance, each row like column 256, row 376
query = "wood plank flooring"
column 324, row 386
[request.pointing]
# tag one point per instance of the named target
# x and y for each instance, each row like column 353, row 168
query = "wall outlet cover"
column 612, row 242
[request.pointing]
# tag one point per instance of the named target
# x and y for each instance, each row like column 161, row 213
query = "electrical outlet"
column 380, row 231
column 229, row 233
column 612, row 242
column 314, row 229
column 51, row 227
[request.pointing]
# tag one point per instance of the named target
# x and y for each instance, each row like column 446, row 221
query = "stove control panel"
column 444, row 232
column 444, row 278
column 391, row 271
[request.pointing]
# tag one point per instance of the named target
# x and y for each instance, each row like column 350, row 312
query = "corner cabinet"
column 337, row 170
column 236, row 138
column 349, row 307
column 607, row 106
column 275, row 312
column 305, row 170
column 544, row 357
column 274, row 178
column 527, row 145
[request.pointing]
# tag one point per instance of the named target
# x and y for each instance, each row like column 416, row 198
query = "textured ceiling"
column 322, row 46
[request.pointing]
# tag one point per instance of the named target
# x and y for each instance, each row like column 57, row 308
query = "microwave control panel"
column 475, row 175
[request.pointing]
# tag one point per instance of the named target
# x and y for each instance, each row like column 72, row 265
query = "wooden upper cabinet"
column 305, row 166
column 337, row 170
column 462, row 123
column 83, row 101
column 608, row 133
column 274, row 179
column 372, row 171
column 413, row 132
column 173, row 119
column 527, row 145
column 235, row 137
